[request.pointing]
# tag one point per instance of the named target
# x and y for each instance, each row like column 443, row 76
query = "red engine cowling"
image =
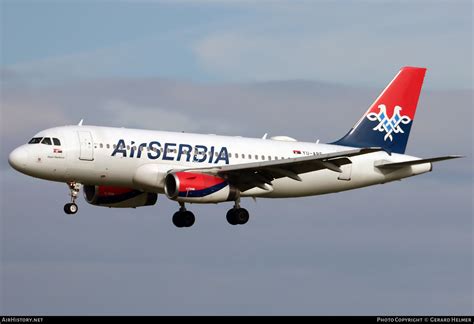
column 198, row 188
column 119, row 197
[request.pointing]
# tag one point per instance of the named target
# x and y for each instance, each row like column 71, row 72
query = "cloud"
column 346, row 43
column 301, row 57
column 125, row 113
column 142, row 56
column 364, row 51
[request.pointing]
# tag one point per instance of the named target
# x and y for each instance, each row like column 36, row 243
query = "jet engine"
column 118, row 197
column 198, row 188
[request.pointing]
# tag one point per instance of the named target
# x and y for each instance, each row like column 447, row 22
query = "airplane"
column 120, row 167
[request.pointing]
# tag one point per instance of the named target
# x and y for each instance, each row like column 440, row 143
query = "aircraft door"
column 86, row 146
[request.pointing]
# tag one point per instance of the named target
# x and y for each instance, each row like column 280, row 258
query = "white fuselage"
column 89, row 155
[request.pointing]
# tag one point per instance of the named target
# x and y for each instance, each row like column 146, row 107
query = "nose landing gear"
column 71, row 208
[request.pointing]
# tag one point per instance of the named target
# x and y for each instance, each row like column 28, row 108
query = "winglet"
column 80, row 123
column 264, row 136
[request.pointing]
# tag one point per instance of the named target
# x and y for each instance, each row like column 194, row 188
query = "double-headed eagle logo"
column 388, row 125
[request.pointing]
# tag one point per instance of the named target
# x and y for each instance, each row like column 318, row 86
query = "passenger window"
column 108, row 145
column 263, row 157
column 250, row 156
column 243, row 156
column 101, row 145
column 56, row 141
column 269, row 158
column 230, row 155
column 35, row 140
column 256, row 157
column 46, row 141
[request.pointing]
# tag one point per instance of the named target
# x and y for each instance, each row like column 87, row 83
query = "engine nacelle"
column 118, row 197
column 198, row 188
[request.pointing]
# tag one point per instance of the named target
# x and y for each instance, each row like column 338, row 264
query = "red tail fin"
column 403, row 91
column 388, row 121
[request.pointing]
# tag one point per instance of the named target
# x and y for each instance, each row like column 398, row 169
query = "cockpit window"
column 35, row 140
column 46, row 141
column 56, row 141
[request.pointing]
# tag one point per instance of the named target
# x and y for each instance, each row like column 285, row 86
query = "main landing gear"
column 71, row 208
column 183, row 217
column 237, row 215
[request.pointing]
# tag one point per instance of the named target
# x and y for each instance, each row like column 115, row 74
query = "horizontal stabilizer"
column 396, row 165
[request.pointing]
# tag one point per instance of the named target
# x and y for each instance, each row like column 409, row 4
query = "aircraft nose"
column 18, row 158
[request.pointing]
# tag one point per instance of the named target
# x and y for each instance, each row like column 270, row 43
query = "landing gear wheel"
column 188, row 219
column 74, row 188
column 237, row 216
column 178, row 221
column 241, row 216
column 70, row 208
column 183, row 218
column 231, row 216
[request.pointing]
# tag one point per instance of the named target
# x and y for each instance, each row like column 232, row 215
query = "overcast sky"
column 307, row 70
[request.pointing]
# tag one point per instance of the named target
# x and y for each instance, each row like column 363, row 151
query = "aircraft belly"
column 313, row 183
column 324, row 181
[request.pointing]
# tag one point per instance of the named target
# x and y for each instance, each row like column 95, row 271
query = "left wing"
column 258, row 174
